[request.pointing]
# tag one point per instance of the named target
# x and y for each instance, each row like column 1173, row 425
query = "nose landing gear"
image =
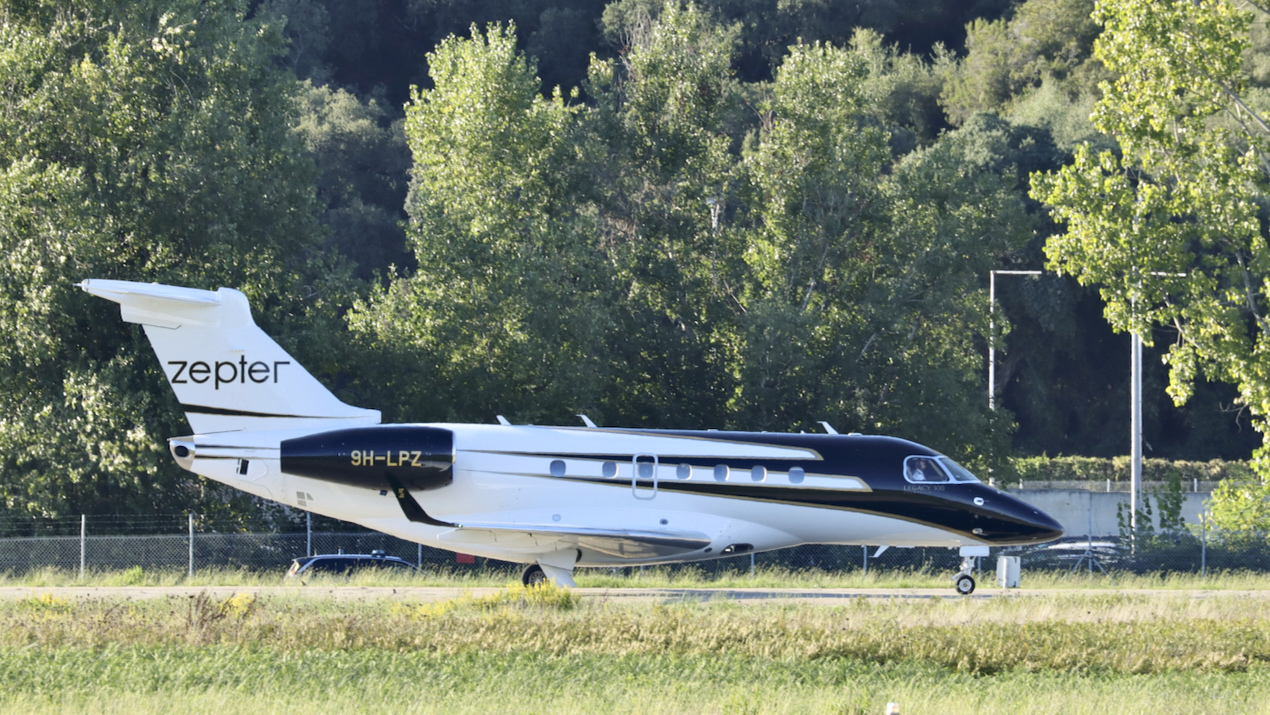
column 963, row 582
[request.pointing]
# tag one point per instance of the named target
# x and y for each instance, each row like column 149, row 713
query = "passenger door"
column 644, row 476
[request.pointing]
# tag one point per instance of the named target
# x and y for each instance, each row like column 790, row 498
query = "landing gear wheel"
column 964, row 583
column 534, row 576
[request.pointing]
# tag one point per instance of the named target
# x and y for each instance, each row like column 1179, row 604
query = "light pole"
column 1135, row 429
column 992, row 330
column 1135, row 422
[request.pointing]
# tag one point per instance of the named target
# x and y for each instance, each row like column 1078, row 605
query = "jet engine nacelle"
column 381, row 457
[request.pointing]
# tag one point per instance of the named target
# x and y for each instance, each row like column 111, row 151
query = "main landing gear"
column 556, row 567
column 533, row 576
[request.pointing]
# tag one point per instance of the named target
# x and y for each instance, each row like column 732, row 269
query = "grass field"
column 553, row 651
column 651, row 577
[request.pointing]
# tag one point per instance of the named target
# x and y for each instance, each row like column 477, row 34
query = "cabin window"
column 684, row 471
column 924, row 470
column 557, row 467
column 758, row 473
column 645, row 470
column 720, row 472
column 796, row 475
column 609, row 470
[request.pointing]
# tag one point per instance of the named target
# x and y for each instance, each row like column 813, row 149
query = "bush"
column 1099, row 469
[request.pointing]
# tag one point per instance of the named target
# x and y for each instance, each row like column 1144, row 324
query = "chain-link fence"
column 94, row 544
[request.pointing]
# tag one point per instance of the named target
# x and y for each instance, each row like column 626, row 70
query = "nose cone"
column 1017, row 522
column 1040, row 527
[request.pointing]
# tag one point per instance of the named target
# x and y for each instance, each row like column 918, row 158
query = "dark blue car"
column 344, row 564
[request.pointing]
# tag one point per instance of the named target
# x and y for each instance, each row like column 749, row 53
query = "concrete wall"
column 1084, row 512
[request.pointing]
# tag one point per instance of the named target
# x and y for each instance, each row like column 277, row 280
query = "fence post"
column 419, row 557
column 83, row 533
column 1203, row 546
column 866, row 559
column 191, row 517
column 751, row 563
column 308, row 533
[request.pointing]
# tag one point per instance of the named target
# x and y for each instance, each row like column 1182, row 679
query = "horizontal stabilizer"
column 163, row 305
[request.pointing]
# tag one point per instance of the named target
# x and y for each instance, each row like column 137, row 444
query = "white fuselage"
column 603, row 479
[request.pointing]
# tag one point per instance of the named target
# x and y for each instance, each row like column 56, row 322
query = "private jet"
column 554, row 498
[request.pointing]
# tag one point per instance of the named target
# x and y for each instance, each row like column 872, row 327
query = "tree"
column 501, row 315
column 902, row 91
column 1046, row 41
column 1239, row 506
column 661, row 122
column 363, row 165
column 1172, row 226
column 662, row 256
column 147, row 141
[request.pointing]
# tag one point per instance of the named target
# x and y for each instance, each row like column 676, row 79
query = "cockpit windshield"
column 958, row 472
column 920, row 469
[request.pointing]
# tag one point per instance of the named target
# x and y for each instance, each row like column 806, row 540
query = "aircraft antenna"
column 503, row 421
column 828, row 427
column 587, row 421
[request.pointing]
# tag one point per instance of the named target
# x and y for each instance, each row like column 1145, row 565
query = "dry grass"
column 137, row 681
column 548, row 650
column 652, row 577
column 1078, row 633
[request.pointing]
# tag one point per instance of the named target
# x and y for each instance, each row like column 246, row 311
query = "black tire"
column 533, row 576
column 964, row 583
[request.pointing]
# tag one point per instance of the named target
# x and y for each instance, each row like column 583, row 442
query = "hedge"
column 1080, row 469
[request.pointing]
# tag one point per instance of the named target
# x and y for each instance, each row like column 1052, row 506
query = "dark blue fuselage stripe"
column 226, row 412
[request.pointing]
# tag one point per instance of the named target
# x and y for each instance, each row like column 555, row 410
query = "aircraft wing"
column 625, row 543
column 539, row 538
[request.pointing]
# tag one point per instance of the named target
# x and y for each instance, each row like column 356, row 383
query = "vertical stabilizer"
column 227, row 374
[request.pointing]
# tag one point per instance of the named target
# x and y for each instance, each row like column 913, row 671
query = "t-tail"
column 226, row 372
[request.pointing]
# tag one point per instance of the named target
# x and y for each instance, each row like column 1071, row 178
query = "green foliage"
column 1242, row 505
column 1172, row 227
column 153, row 681
column 506, row 297
column 1172, row 525
column 652, row 259
column 1127, row 634
column 902, row 90
column 363, row 165
column 148, row 141
column 1047, row 41
column 543, row 596
column 1116, row 469
column 767, row 28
